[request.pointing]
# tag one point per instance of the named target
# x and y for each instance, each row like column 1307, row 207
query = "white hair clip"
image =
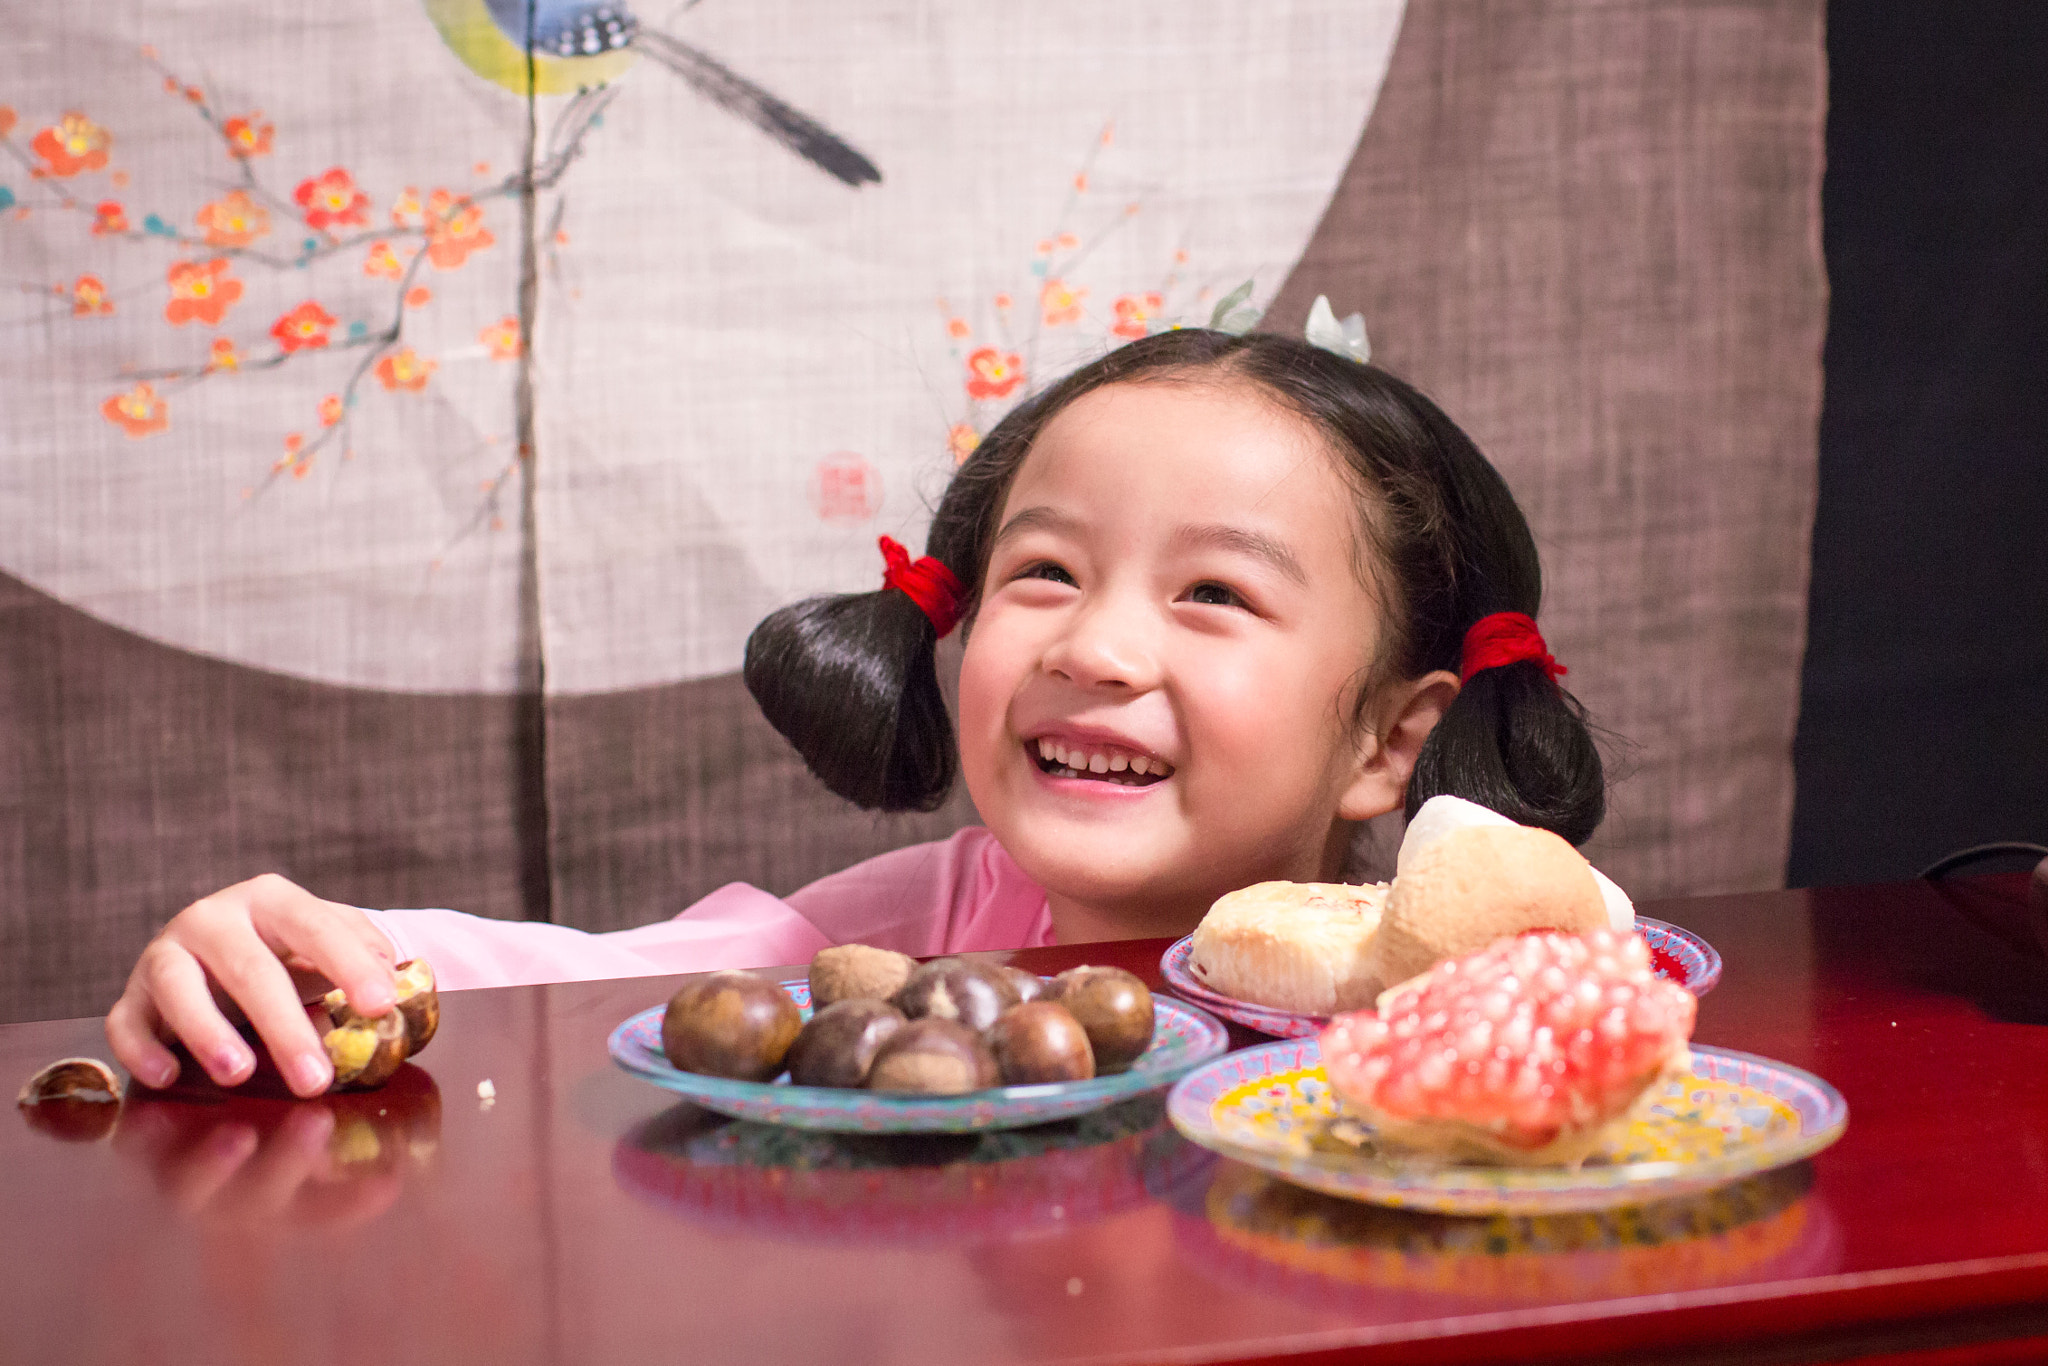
column 1234, row 313
column 1346, row 339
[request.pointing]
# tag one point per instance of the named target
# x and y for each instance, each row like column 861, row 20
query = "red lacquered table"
column 582, row 1216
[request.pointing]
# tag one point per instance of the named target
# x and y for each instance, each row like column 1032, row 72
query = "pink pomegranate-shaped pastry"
column 1524, row 1053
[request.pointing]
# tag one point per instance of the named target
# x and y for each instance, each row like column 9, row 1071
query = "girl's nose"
column 1107, row 643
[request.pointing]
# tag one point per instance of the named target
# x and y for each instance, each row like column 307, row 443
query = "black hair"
column 851, row 681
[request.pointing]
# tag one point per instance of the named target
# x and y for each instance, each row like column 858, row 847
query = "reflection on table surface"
column 1244, row 1224
column 906, row 1189
column 335, row 1161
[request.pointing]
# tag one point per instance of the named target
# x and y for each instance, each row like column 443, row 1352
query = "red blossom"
column 109, row 218
column 138, row 412
column 455, row 228
column 405, row 369
column 993, row 374
column 501, row 338
column 1134, row 314
column 246, row 137
column 383, row 262
column 72, row 145
column 200, row 291
column 1060, row 303
column 304, row 328
column 961, row 441
column 235, row 220
column 89, row 296
column 332, row 199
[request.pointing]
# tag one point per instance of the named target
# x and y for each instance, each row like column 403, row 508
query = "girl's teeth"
column 1079, row 760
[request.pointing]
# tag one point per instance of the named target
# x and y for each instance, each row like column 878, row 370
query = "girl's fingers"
column 336, row 941
column 251, row 974
column 176, row 985
column 132, row 1033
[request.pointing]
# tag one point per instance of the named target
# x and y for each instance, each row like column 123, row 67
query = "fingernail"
column 310, row 1074
column 158, row 1074
column 232, row 1060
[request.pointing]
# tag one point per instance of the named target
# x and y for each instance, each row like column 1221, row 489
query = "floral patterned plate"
column 1735, row 1115
column 1675, row 953
column 1183, row 1036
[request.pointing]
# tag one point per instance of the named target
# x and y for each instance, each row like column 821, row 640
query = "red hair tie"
column 925, row 581
column 1505, row 638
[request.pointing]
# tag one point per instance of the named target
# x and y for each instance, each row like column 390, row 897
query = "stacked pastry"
column 1517, row 1017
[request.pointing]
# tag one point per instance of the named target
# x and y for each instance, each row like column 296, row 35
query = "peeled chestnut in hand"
column 852, row 972
column 1040, row 1041
column 955, row 989
column 933, row 1057
column 730, row 1024
column 1113, row 1006
column 419, row 1002
column 838, row 1044
column 365, row 1052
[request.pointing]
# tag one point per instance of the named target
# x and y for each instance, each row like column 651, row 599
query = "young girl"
column 1221, row 594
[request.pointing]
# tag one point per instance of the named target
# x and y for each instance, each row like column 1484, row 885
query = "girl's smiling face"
column 1159, row 692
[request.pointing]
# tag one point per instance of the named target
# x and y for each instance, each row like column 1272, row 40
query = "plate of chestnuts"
column 876, row 1042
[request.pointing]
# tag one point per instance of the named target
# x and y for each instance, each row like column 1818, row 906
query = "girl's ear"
column 1396, row 723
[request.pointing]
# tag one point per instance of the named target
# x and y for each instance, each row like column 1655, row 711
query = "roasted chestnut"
column 933, row 1057
column 730, row 1024
column 1029, row 986
column 852, row 972
column 418, row 1001
column 1113, row 1006
column 365, row 1052
column 955, row 989
column 838, row 1043
column 1040, row 1041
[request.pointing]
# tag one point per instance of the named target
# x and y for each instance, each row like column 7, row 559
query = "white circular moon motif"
column 725, row 338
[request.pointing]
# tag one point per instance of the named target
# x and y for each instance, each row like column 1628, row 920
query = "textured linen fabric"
column 1589, row 227
column 1592, row 233
column 958, row 895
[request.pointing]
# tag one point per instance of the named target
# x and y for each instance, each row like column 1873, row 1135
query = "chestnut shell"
column 838, row 1044
column 1114, row 1006
column 955, row 989
column 933, row 1057
column 730, row 1024
column 851, row 972
column 1040, row 1041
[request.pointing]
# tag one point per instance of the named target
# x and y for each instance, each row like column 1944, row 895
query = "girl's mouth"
column 1100, row 763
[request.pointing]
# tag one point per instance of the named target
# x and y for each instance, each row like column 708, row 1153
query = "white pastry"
column 1299, row 946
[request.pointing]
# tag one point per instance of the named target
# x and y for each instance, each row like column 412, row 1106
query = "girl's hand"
column 262, row 948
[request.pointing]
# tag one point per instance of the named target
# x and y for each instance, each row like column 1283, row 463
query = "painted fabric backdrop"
column 393, row 461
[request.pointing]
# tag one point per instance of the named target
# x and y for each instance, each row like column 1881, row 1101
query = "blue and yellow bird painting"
column 557, row 47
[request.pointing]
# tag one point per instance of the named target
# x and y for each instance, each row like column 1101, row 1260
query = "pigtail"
column 851, row 681
column 1516, row 742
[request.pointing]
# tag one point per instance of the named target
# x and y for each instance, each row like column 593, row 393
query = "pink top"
column 954, row 896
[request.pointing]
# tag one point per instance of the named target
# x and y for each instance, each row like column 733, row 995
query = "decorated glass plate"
column 1675, row 953
column 1735, row 1115
column 1183, row 1036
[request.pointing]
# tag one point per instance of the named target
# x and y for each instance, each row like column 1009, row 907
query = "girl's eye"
column 1215, row 595
column 1045, row 569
